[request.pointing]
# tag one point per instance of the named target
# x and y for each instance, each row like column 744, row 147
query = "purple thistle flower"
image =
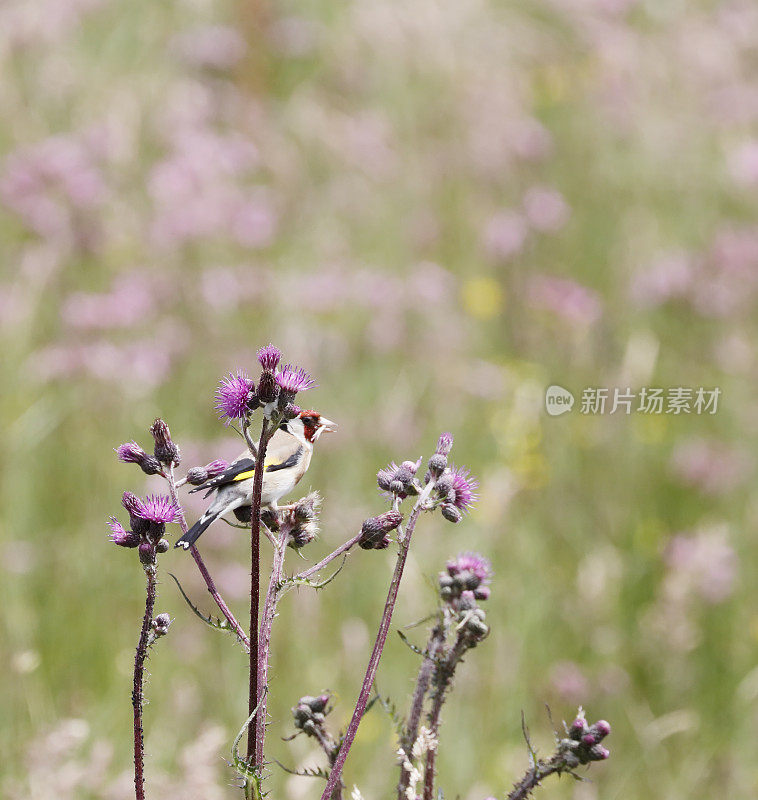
column 269, row 356
column 130, row 453
column 444, row 444
column 159, row 508
column 233, row 396
column 464, row 486
column 216, row 467
column 472, row 563
column 121, row 537
column 294, row 379
column 198, row 475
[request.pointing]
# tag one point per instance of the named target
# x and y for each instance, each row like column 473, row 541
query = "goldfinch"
column 288, row 457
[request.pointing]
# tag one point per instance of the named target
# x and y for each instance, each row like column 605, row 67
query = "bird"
column 288, row 457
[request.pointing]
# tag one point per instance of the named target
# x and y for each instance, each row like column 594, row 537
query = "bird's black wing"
column 227, row 476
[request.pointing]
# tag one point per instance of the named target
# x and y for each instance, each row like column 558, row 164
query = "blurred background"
column 438, row 209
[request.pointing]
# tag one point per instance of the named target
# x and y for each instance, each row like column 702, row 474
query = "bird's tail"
column 197, row 530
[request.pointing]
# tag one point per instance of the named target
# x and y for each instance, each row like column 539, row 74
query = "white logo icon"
column 558, row 400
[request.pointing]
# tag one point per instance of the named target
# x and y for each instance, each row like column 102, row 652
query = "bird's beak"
column 327, row 425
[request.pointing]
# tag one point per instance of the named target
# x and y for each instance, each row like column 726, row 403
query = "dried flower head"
column 234, row 397
column 269, row 356
column 375, row 530
column 165, row 450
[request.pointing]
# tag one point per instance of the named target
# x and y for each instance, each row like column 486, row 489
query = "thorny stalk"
column 534, row 776
column 139, row 678
column 254, row 694
column 264, row 642
column 225, row 610
column 426, row 670
column 443, row 678
column 368, row 681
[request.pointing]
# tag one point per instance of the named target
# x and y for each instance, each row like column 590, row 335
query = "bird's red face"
column 314, row 425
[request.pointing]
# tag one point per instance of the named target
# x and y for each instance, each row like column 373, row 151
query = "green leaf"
column 214, row 622
column 307, row 772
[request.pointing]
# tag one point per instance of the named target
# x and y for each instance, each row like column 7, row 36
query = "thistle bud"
column 318, row 704
column 444, row 487
column 578, row 728
column 598, row 753
column 601, row 728
column 451, row 513
column 162, row 546
column 445, row 444
column 165, row 450
column 160, row 624
column 290, row 411
column 146, row 553
column 437, row 465
column 482, row 593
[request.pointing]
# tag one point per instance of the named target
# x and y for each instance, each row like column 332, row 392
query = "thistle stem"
column 368, row 681
column 139, row 677
column 442, row 678
column 172, row 487
column 264, row 641
column 534, row 776
column 255, row 579
column 436, row 639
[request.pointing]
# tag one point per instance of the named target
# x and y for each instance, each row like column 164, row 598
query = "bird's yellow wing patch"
column 243, row 476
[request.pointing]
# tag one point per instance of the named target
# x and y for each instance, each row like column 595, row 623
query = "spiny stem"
column 534, row 776
column 255, row 579
column 267, row 621
column 368, row 681
column 443, row 678
column 139, row 677
column 436, row 639
column 225, row 610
